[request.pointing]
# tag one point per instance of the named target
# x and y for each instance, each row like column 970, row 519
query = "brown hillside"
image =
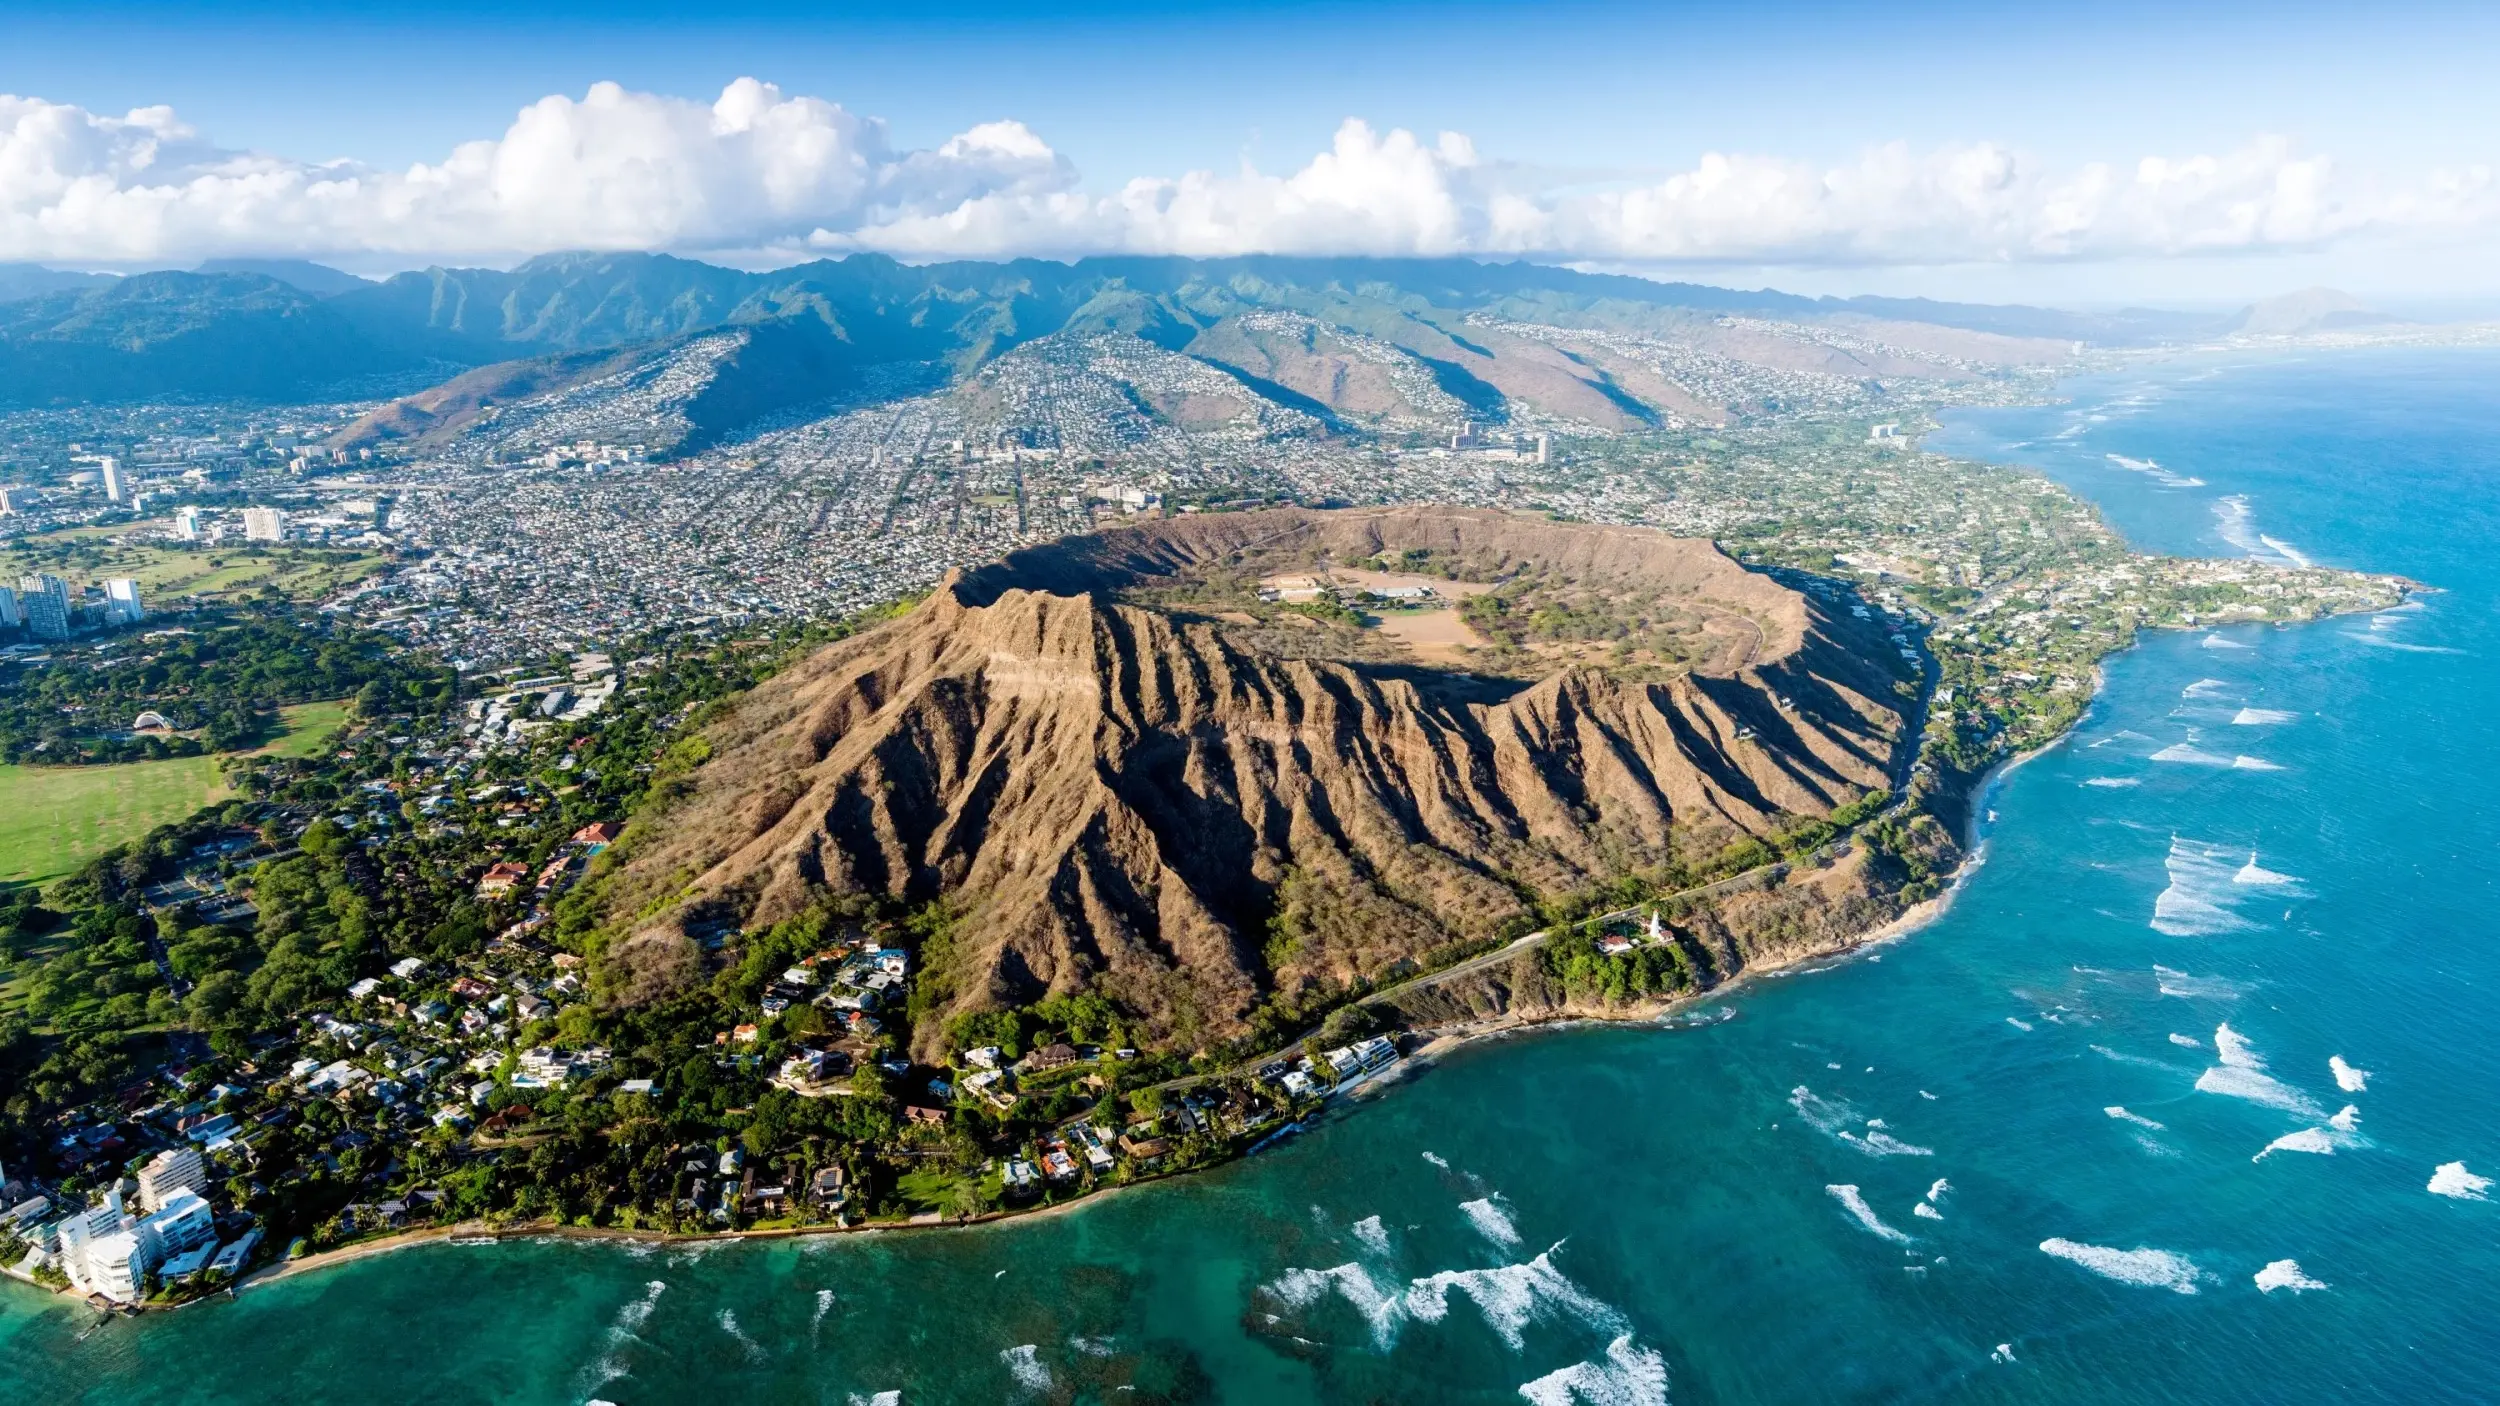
column 1151, row 803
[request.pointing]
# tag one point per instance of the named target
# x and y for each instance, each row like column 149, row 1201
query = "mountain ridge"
column 1131, row 799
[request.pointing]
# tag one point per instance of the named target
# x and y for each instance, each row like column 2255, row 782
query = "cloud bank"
column 765, row 174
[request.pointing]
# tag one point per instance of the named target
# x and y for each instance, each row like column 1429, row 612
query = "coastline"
column 1435, row 1043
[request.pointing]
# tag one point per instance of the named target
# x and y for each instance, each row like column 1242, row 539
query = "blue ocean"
column 2189, row 1097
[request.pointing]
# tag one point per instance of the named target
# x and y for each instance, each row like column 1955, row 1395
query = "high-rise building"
column 187, row 523
column 264, row 525
column 115, row 486
column 1544, row 449
column 183, row 1223
column 102, row 1251
column 174, row 1170
column 14, row 501
column 121, row 601
column 10, row 615
column 45, row 599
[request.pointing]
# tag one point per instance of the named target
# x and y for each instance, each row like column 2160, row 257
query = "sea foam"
column 1835, row 1118
column 1855, row 1203
column 1508, row 1296
column 746, row 1343
column 626, row 1329
column 2198, row 901
column 2147, row 1268
column 2241, row 1074
column 2189, row 754
column 2205, row 688
column 2122, row 1115
column 2195, row 988
column 2113, row 783
column 2347, row 1078
column 1492, row 1220
column 1024, row 1363
column 2285, row 1274
column 1372, row 1234
column 1628, row 1375
column 2262, row 717
column 2452, row 1179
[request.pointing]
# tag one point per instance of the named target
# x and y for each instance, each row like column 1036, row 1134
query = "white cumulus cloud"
column 761, row 171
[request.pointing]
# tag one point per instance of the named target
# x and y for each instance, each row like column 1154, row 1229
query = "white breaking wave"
column 2252, row 875
column 2186, row 1041
column 1628, row 1375
column 2262, row 717
column 626, row 1329
column 1834, row 1118
column 1491, row 1218
column 2205, row 688
column 2113, row 783
column 2189, row 754
column 1024, row 1363
column 2341, row 1131
column 2381, row 641
column 2315, row 1140
column 2245, row 762
column 1509, row 1297
column 729, row 1324
column 1373, row 1235
column 2156, row 472
column 2452, row 1179
column 2285, row 1274
column 883, row 1398
column 2219, row 642
column 2151, row 1269
column 1301, row 1288
column 2194, row 988
column 1864, row 1214
column 2004, row 1353
column 2018, row 1023
column 2237, row 525
column 2121, row 1114
column 2347, row 1078
column 2199, row 899
column 2241, row 1074
column 1928, row 1208
column 1437, row 1160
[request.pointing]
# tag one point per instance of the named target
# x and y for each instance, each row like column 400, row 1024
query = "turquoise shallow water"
column 1629, row 1215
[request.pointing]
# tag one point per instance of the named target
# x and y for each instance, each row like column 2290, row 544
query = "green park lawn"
column 53, row 818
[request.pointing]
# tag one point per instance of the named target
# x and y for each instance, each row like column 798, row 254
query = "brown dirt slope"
column 1122, row 799
column 434, row 415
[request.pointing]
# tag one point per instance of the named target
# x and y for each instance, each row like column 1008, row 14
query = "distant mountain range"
column 290, row 330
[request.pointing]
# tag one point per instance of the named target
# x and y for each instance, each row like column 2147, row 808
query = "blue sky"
column 1556, row 103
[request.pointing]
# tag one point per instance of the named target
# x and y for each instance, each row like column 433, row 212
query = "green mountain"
column 1381, row 338
column 34, row 280
column 320, row 280
column 187, row 336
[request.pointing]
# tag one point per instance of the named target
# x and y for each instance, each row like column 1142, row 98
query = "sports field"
column 52, row 818
column 85, row 554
